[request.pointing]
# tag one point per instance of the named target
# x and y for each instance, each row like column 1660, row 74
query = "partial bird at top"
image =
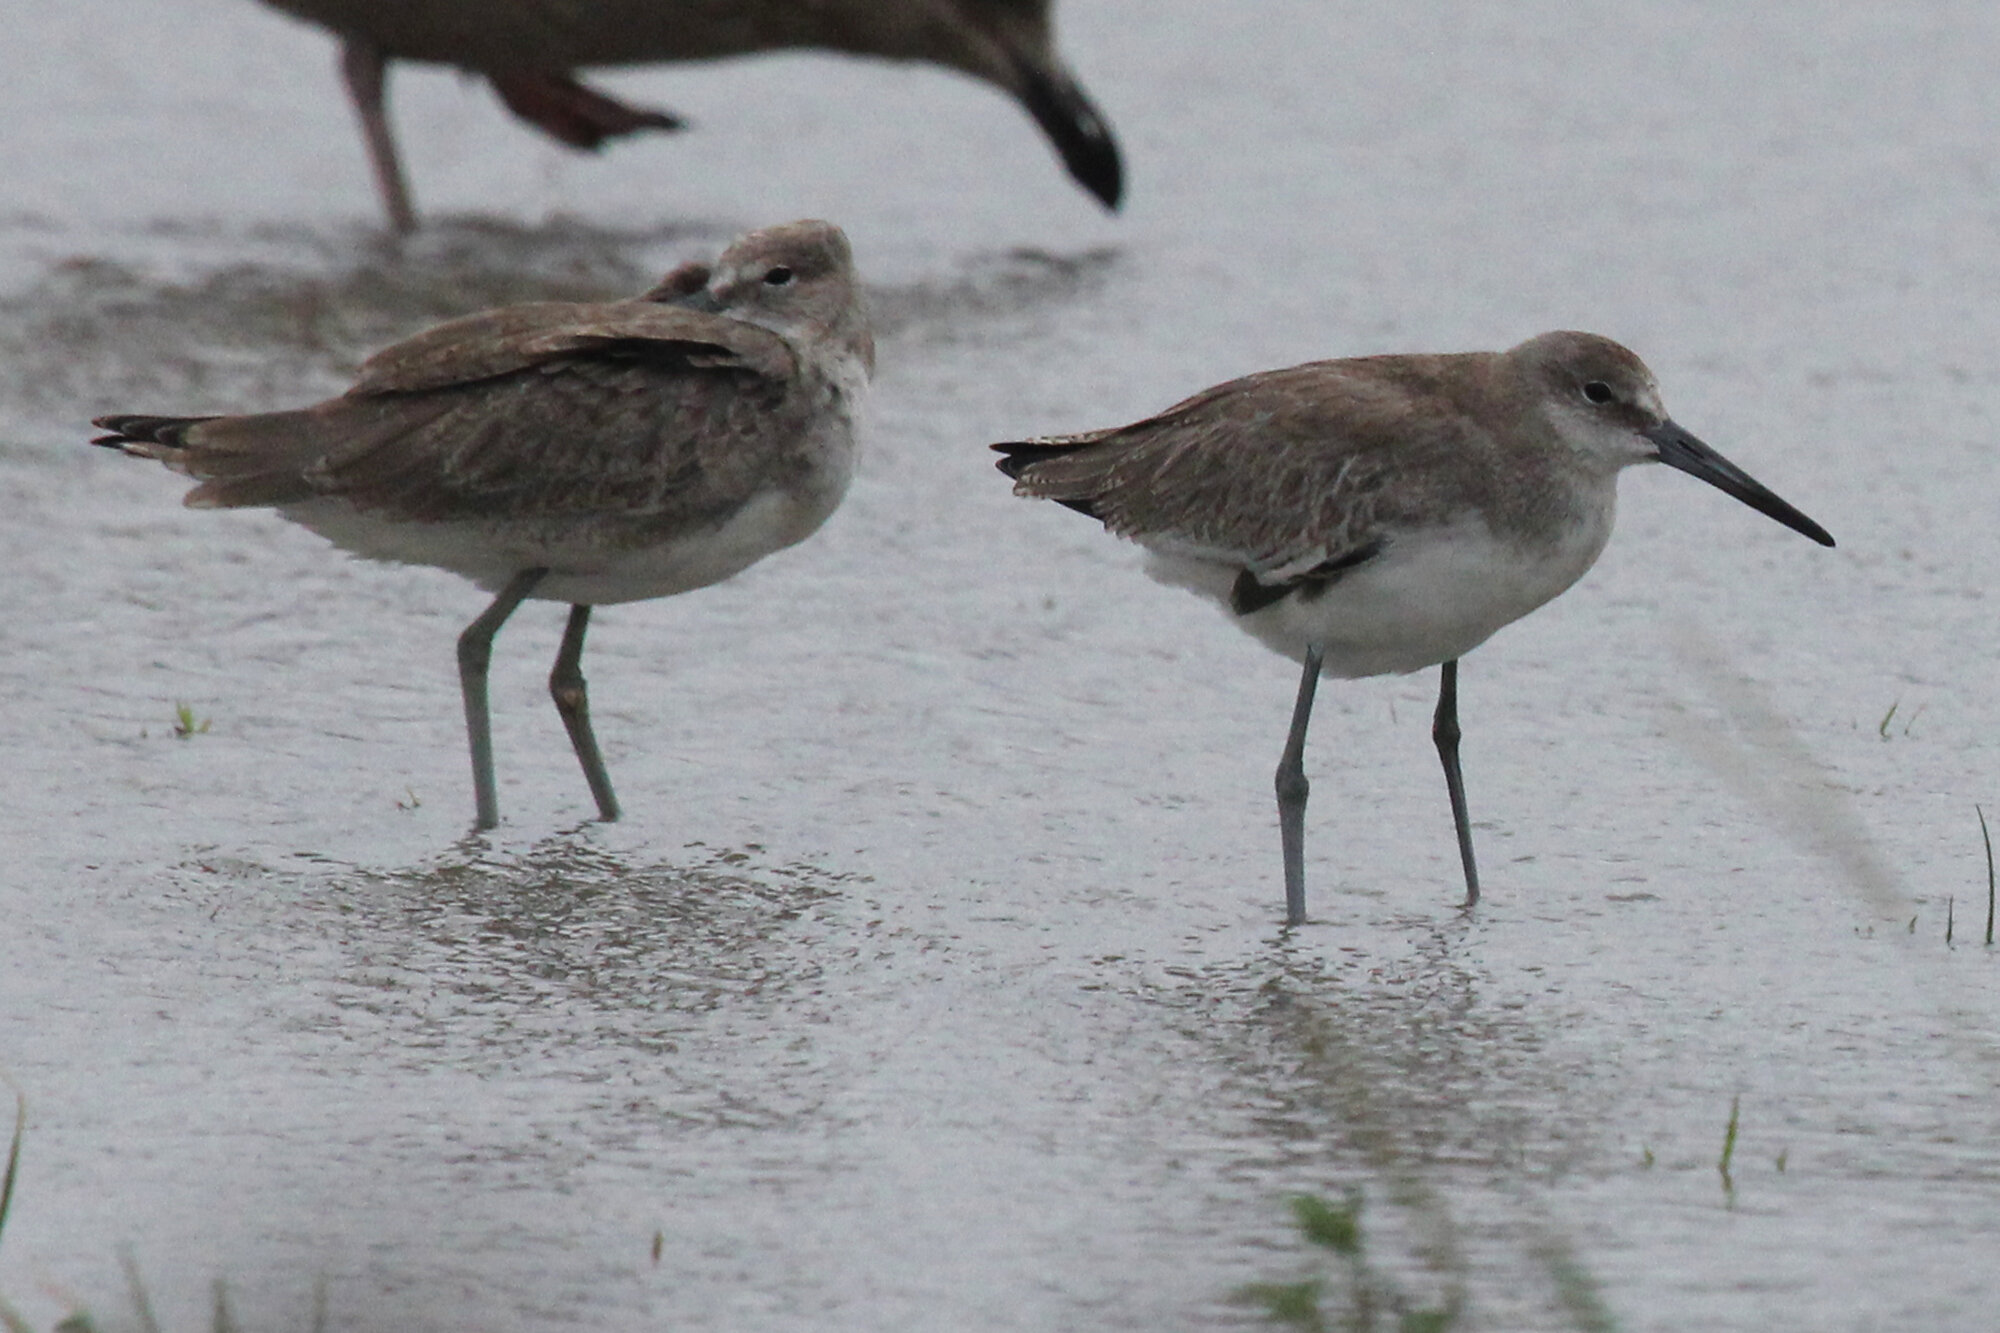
column 529, row 51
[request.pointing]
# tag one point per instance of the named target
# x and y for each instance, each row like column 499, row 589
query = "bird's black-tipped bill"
column 1682, row 450
column 1078, row 131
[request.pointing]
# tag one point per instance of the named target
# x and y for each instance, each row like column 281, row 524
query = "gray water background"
column 935, row 979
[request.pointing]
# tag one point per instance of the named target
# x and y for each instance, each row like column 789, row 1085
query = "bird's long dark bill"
column 1682, row 450
column 1077, row 129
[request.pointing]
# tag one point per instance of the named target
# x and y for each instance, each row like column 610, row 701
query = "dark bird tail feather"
column 143, row 436
column 254, row 460
column 1020, row 455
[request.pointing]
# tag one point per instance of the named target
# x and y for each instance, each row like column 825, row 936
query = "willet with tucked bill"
column 1385, row 513
column 587, row 453
column 529, row 51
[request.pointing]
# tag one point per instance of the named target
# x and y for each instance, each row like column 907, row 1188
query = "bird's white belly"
column 1433, row 595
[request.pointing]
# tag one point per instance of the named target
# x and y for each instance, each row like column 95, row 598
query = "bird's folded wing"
column 499, row 342
column 574, row 436
column 1280, row 471
column 547, row 411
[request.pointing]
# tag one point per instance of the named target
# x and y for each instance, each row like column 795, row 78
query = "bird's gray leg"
column 566, row 687
column 1292, row 791
column 475, row 651
column 365, row 68
column 1444, row 731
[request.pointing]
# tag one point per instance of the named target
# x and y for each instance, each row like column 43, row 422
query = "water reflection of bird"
column 579, row 452
column 1384, row 514
column 529, row 51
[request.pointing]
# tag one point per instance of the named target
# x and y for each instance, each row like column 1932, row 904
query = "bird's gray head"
column 796, row 279
column 1597, row 396
column 1603, row 403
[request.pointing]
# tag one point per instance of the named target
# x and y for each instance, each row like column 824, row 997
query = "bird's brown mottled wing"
column 635, row 427
column 527, row 412
column 1344, row 449
column 499, row 341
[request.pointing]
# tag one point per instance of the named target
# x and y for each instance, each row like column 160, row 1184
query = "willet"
column 587, row 453
column 529, row 49
column 1386, row 513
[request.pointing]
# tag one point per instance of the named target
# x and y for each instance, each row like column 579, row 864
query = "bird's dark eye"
column 778, row 277
column 1597, row 391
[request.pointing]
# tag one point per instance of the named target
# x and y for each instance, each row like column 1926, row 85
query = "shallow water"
column 934, row 979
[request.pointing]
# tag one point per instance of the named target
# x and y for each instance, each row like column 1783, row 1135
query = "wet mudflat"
column 934, row 978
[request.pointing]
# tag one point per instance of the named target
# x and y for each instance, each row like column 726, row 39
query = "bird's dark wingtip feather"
column 134, row 428
column 1251, row 593
column 1020, row 455
column 1247, row 595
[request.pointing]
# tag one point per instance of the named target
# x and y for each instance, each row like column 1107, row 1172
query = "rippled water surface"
column 934, row 979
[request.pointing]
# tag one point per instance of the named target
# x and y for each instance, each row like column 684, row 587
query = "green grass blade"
column 1292, row 1303
column 1338, row 1228
column 13, row 1161
column 1729, row 1146
column 1987, row 838
column 142, row 1304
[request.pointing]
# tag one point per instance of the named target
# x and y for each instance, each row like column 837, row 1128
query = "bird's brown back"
column 1316, row 457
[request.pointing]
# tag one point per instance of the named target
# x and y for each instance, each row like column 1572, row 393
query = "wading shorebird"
column 587, row 453
column 529, row 51
column 1384, row 514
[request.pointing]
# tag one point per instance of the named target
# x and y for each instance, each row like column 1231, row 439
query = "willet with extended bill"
column 587, row 453
column 529, row 51
column 1386, row 513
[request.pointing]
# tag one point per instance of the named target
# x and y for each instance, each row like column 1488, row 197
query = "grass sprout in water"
column 1729, row 1148
column 1338, row 1229
column 1369, row 1299
column 1986, row 837
column 10, row 1320
column 186, row 724
column 1882, row 727
column 13, row 1172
